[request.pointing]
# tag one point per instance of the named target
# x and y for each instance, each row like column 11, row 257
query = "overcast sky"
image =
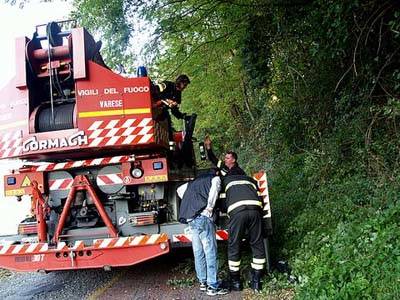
column 17, row 22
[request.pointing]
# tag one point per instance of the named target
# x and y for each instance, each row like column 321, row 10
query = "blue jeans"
column 204, row 246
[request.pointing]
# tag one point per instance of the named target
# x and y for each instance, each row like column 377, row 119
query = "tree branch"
column 196, row 49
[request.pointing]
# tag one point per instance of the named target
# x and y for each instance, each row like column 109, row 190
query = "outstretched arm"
column 210, row 154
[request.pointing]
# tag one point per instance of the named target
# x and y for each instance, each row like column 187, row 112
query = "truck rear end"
column 98, row 162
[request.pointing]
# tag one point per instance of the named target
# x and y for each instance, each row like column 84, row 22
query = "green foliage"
column 107, row 19
column 181, row 283
column 348, row 253
column 309, row 91
column 186, row 277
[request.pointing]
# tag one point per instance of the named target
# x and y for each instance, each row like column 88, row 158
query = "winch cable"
column 50, row 70
column 58, row 85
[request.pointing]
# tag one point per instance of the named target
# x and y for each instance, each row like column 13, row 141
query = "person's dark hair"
column 235, row 156
column 183, row 78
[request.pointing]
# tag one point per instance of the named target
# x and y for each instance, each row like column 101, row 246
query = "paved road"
column 167, row 277
column 55, row 285
column 153, row 281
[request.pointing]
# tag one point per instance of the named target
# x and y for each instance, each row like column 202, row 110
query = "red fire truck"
column 98, row 163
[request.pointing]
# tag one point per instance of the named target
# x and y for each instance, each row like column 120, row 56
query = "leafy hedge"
column 308, row 90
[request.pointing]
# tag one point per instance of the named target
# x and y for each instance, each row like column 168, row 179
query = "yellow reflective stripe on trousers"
column 234, row 269
column 243, row 202
column 232, row 263
column 259, row 260
column 239, row 182
column 257, row 266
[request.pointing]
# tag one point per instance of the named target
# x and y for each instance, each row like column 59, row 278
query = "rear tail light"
column 27, row 228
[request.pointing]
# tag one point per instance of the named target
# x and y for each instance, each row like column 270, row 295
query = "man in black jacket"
column 244, row 208
column 227, row 167
column 196, row 209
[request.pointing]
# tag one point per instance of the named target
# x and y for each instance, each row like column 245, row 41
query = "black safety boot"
column 235, row 283
column 255, row 283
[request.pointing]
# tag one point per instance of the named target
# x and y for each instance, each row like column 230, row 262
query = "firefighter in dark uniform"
column 244, row 208
column 227, row 167
column 168, row 96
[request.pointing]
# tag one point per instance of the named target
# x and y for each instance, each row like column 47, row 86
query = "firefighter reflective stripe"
column 257, row 266
column 219, row 166
column 239, row 182
column 234, row 263
column 244, row 202
column 223, row 196
column 259, row 260
column 234, row 266
column 162, row 86
column 258, row 263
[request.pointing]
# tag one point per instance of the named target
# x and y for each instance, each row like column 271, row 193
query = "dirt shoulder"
column 168, row 277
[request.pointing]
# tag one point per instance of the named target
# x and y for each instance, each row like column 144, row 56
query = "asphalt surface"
column 55, row 285
column 167, row 277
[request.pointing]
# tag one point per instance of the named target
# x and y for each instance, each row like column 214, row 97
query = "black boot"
column 235, row 283
column 255, row 282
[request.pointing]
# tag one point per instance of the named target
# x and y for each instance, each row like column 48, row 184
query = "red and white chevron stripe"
column 60, row 184
column 141, row 240
column 39, row 248
column 10, row 144
column 8, row 248
column 120, row 132
column 221, row 235
column 83, row 163
column 263, row 186
column 109, row 179
column 262, row 181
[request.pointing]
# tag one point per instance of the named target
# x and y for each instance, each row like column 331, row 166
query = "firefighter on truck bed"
column 168, row 96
